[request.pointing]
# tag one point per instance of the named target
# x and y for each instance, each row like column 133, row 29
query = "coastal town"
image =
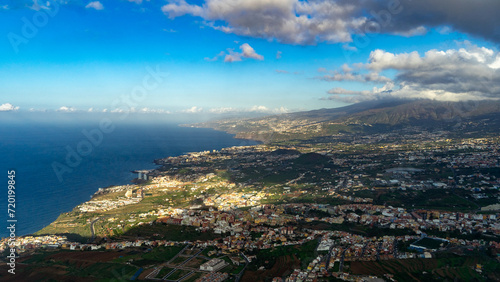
column 250, row 140
column 268, row 227
column 346, row 206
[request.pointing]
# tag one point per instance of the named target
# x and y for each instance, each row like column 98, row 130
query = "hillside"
column 374, row 116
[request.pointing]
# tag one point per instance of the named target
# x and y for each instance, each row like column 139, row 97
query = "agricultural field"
column 91, row 265
column 436, row 269
column 280, row 261
column 283, row 265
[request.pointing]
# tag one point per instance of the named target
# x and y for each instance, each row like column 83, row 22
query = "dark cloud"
column 479, row 18
column 310, row 22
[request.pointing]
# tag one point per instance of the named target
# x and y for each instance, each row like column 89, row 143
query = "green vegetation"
column 336, row 267
column 430, row 243
column 431, row 199
column 156, row 255
column 76, row 265
column 178, row 260
column 162, row 254
column 267, row 258
column 193, row 277
column 356, row 229
column 108, row 270
column 207, row 250
column 169, row 232
column 446, row 267
column 178, row 274
column 164, row 271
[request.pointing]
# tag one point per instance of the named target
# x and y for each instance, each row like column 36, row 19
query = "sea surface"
column 32, row 148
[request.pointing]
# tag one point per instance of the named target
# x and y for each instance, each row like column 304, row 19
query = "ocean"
column 32, row 149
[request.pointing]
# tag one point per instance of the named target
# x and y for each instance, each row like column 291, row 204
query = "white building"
column 213, row 265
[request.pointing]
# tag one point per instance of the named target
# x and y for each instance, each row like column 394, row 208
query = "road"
column 92, row 232
column 341, row 266
column 238, row 277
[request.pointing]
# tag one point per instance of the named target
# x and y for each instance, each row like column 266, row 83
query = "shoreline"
column 103, row 190
column 236, row 134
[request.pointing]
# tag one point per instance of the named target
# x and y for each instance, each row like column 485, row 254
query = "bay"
column 32, row 149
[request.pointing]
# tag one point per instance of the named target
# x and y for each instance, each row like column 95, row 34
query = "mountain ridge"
column 363, row 117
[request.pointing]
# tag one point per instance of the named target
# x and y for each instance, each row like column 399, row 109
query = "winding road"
column 92, row 231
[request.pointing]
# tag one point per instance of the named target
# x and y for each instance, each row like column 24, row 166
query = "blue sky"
column 242, row 55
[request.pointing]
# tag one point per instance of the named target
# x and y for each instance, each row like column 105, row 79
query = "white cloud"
column 221, row 54
column 282, row 71
column 495, row 64
column 119, row 110
column 281, row 110
column 350, row 96
column 278, row 55
column 193, row 110
column 288, row 21
column 249, row 52
column 444, row 30
column 259, row 109
column 38, row 110
column 348, row 47
column 181, row 8
column 146, row 110
column 254, row 109
column 95, row 5
column 352, row 73
column 346, row 68
column 372, row 76
column 231, row 56
column 66, row 109
column 136, row 1
column 467, row 73
column 35, row 6
column 340, row 91
column 380, row 60
column 7, row 107
column 222, row 110
column 322, row 70
column 264, row 109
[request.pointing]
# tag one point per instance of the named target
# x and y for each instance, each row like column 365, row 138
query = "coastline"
column 158, row 164
column 262, row 137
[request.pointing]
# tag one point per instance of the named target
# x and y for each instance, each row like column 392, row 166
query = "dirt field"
column 412, row 269
column 391, row 266
column 84, row 259
column 69, row 266
column 196, row 262
column 26, row 273
column 404, row 267
column 283, row 266
column 189, row 252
